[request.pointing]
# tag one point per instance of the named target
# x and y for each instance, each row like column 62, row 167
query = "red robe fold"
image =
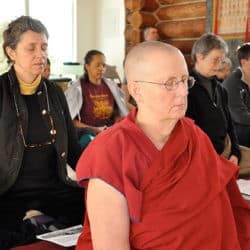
column 183, row 197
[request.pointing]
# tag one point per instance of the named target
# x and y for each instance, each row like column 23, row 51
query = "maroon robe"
column 182, row 197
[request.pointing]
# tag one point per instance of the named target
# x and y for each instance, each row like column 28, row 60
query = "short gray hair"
column 146, row 30
column 206, row 43
column 12, row 34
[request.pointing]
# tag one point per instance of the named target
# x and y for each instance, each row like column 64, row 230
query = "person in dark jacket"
column 207, row 100
column 237, row 86
column 37, row 140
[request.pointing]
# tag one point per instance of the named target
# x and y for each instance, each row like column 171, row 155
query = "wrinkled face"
column 223, row 72
column 152, row 35
column 210, row 64
column 156, row 99
column 96, row 67
column 30, row 55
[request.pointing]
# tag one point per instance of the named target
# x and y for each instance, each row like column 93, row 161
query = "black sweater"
column 209, row 109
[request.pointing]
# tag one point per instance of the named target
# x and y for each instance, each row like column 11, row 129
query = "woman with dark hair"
column 95, row 102
column 37, row 140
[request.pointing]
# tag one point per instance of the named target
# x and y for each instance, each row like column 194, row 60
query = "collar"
column 29, row 89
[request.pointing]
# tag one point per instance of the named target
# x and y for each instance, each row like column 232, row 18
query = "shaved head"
column 139, row 59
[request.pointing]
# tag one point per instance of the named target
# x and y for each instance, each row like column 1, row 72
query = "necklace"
column 48, row 112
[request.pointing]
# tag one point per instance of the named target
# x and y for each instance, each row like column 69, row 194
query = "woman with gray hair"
column 37, row 140
column 208, row 101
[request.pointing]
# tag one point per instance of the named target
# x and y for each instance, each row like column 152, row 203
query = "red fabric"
column 98, row 104
column 182, row 201
column 42, row 245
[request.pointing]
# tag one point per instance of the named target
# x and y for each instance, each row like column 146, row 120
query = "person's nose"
column 41, row 53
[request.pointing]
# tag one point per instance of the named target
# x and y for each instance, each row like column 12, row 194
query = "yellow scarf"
column 29, row 88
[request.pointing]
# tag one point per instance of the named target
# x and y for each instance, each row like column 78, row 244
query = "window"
column 56, row 15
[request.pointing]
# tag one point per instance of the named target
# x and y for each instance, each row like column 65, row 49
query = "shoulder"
column 235, row 76
column 115, row 136
column 4, row 79
column 53, row 89
column 193, row 129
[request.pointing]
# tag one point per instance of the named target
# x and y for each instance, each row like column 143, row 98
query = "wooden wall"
column 179, row 22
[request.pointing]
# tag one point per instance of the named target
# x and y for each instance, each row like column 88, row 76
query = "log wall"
column 180, row 22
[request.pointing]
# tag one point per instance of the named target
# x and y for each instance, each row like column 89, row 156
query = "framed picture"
column 231, row 18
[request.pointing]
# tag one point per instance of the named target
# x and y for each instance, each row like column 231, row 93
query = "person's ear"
column 134, row 90
column 86, row 66
column 243, row 62
column 11, row 53
column 199, row 57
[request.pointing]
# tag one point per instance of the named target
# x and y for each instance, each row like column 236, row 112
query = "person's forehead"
column 153, row 30
column 98, row 58
column 162, row 63
column 216, row 53
column 31, row 37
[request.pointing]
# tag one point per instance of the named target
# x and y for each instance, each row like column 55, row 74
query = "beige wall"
column 100, row 25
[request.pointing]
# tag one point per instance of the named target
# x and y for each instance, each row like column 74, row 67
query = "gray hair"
column 146, row 31
column 206, row 43
column 12, row 34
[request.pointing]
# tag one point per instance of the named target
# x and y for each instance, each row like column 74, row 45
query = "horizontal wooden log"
column 134, row 5
column 150, row 5
column 164, row 2
column 189, row 61
column 182, row 11
column 141, row 19
column 185, row 46
column 179, row 29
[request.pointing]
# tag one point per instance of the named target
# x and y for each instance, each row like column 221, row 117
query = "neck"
column 157, row 130
column 25, row 76
column 200, row 71
column 95, row 80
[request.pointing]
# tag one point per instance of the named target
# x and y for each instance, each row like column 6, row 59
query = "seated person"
column 95, row 102
column 207, row 100
column 157, row 182
column 237, row 86
column 224, row 69
column 37, row 140
column 151, row 34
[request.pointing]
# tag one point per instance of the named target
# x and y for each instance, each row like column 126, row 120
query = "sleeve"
column 74, row 98
column 74, row 148
column 231, row 129
column 98, row 162
column 114, row 165
column 237, row 97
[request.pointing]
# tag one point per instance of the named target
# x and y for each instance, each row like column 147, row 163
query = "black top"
column 238, row 97
column 39, row 166
column 12, row 150
column 209, row 109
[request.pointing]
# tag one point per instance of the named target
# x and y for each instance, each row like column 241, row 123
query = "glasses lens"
column 190, row 82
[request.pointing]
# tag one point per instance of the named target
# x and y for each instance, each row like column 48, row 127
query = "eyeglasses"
column 217, row 60
column 36, row 145
column 173, row 84
column 51, row 121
